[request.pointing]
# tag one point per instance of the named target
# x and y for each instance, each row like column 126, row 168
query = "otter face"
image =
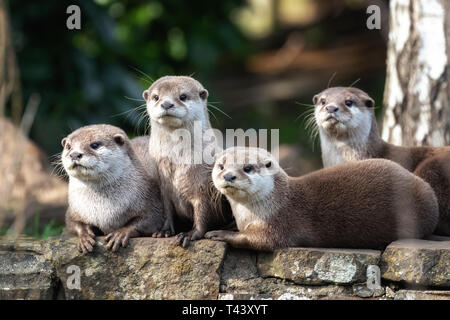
column 173, row 101
column 340, row 111
column 244, row 173
column 95, row 152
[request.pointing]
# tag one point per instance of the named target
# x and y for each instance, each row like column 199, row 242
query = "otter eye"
column 269, row 164
column 156, row 97
column 248, row 168
column 95, row 145
column 348, row 103
column 183, row 97
column 68, row 146
column 322, row 101
column 220, row 166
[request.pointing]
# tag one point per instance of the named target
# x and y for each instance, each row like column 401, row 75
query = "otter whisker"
column 218, row 109
column 143, row 116
column 310, row 125
column 58, row 168
column 304, row 104
column 331, row 79
column 128, row 112
column 143, row 73
column 145, row 80
column 309, row 117
column 355, row 82
column 307, row 112
column 134, row 99
column 212, row 113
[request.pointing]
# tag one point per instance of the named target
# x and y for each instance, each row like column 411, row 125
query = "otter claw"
column 183, row 239
column 86, row 244
column 162, row 234
column 116, row 239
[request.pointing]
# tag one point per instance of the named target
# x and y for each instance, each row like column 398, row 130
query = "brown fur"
column 429, row 163
column 144, row 214
column 186, row 187
column 365, row 204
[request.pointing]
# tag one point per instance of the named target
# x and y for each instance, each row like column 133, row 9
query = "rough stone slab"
column 240, row 281
column 362, row 291
column 24, row 274
column 419, row 262
column 318, row 266
column 239, row 272
column 422, row 295
column 22, row 243
column 147, row 269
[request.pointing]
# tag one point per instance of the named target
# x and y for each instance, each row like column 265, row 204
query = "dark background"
column 260, row 60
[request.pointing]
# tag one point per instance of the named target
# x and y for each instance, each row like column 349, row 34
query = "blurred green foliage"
column 35, row 228
column 43, row 231
column 85, row 76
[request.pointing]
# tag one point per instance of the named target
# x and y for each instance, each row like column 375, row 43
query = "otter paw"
column 215, row 235
column 184, row 239
column 196, row 235
column 162, row 234
column 85, row 243
column 117, row 238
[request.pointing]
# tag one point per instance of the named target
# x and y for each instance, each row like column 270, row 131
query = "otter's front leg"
column 168, row 228
column 200, row 227
column 236, row 239
column 243, row 240
column 122, row 235
column 84, row 233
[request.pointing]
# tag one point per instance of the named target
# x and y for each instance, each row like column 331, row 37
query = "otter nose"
column 166, row 105
column 331, row 109
column 76, row 155
column 229, row 177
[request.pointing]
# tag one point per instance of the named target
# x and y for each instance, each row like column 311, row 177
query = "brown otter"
column 366, row 204
column 177, row 105
column 109, row 189
column 348, row 132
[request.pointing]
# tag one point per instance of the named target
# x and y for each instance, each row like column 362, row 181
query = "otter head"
column 245, row 174
column 96, row 152
column 174, row 101
column 343, row 112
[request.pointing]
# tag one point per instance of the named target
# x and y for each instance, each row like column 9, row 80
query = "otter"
column 110, row 191
column 348, row 132
column 366, row 204
column 175, row 104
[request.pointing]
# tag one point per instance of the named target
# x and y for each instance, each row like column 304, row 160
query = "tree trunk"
column 417, row 92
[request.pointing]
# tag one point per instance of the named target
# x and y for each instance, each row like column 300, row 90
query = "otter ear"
column 119, row 139
column 369, row 102
column 315, row 99
column 63, row 142
column 145, row 94
column 203, row 94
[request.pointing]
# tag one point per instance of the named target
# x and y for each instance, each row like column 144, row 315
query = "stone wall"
column 158, row 269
